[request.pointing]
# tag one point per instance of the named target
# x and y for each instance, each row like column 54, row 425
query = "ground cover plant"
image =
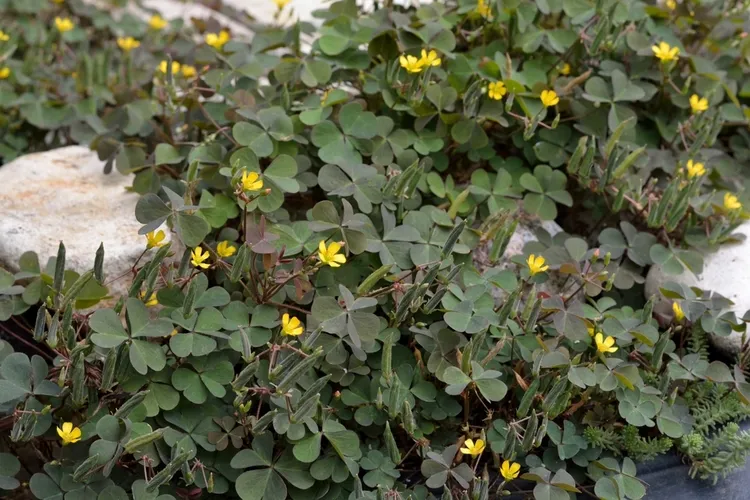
column 335, row 318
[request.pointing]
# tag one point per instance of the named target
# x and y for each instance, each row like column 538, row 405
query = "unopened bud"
column 337, row 394
column 607, row 258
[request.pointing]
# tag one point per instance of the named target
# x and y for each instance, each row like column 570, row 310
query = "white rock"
column 64, row 195
column 727, row 272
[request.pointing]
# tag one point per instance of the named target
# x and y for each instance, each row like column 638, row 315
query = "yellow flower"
column 175, row 67
column 217, row 41
column 549, row 98
column 63, row 24
column 671, row 4
column 280, row 4
column 536, row 264
column 157, row 22
column 410, row 63
column 565, row 69
column 69, row 434
column 496, row 90
column 429, row 59
column 604, row 345
column 128, row 43
column 483, row 9
column 472, row 448
column 59, row 2
column 698, row 104
column 679, row 315
column 4, row 72
column 225, row 249
column 509, row 470
column 152, row 300
column 155, row 239
column 251, row 181
column 330, row 255
column 731, row 202
column 665, row 53
column 291, row 326
column 694, row 169
column 174, row 332
column 4, row 37
column 199, row 257
column 188, row 71
column 591, row 330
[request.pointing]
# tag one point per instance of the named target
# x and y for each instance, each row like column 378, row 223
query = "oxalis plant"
column 335, row 316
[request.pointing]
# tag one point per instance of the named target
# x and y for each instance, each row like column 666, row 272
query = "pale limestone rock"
column 727, row 272
column 64, row 195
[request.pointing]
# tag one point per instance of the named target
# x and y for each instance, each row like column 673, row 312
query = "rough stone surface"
column 727, row 272
column 525, row 233
column 64, row 195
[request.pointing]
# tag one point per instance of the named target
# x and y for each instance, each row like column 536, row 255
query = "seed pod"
column 283, row 367
column 291, row 378
column 187, row 306
column 533, row 317
column 210, row 483
column 541, row 432
column 86, row 467
column 601, row 31
column 314, row 389
column 430, row 275
column 447, row 494
column 263, row 422
column 529, row 305
column 509, row 102
column 509, row 306
column 99, row 263
column 619, row 200
column 135, row 287
column 247, row 347
column 407, row 419
column 358, row 491
column 435, row 300
column 390, row 444
column 305, row 409
column 659, row 347
column 187, row 474
column 57, row 283
column 627, row 162
column 574, row 163
column 78, row 375
column 450, row 242
column 555, row 393
column 379, row 399
column 163, row 476
column 67, row 320
column 131, row 404
column 244, row 376
column 184, row 268
column 142, row 441
column 394, row 397
column 403, row 306
column 373, row 279
column 40, row 323
column 588, row 161
column 123, row 361
column 529, row 434
column 509, row 450
column 108, row 371
column 310, row 339
column 457, row 202
column 239, row 263
column 501, row 241
column 648, row 309
column 386, row 359
column 528, row 398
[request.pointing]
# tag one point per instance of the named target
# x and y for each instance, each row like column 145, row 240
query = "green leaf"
column 308, row 449
column 254, row 137
column 260, row 484
column 166, row 154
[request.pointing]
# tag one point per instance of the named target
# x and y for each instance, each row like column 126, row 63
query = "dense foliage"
column 335, row 317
